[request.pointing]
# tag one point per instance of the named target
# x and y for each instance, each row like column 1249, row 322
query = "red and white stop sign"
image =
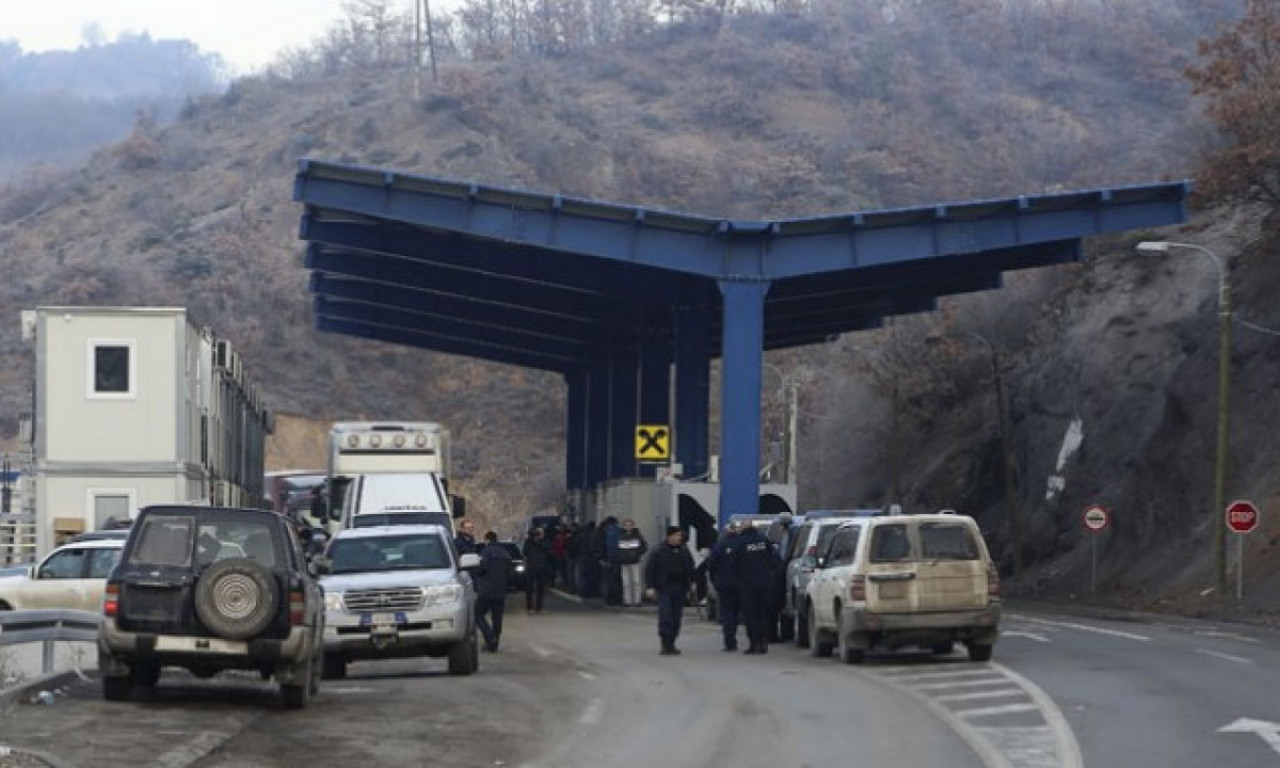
column 1242, row 516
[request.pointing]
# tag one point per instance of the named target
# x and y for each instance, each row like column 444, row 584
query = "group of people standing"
column 609, row 560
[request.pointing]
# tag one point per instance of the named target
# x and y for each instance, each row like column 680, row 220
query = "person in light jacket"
column 631, row 550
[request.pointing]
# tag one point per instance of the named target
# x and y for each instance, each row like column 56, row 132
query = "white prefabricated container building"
column 137, row 406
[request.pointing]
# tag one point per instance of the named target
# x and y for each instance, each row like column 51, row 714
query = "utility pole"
column 793, row 418
column 431, row 42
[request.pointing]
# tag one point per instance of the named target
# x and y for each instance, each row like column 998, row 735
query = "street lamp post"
column 1224, row 391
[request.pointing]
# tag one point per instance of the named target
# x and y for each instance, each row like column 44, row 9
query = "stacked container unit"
column 133, row 407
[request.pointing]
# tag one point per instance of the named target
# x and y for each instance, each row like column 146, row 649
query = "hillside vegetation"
column 820, row 107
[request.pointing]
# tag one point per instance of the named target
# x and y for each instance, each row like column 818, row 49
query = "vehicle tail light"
column 993, row 581
column 111, row 600
column 858, row 588
column 297, row 607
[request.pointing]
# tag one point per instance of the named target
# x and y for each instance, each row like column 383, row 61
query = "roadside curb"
column 23, row 691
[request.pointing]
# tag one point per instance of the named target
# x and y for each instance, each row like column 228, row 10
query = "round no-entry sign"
column 1096, row 518
column 1242, row 516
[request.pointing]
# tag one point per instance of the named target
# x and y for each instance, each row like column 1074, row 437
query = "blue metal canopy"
column 611, row 296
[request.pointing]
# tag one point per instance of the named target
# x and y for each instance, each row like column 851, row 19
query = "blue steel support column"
column 597, row 424
column 741, row 355
column 693, row 388
column 575, row 428
column 624, row 388
column 655, row 384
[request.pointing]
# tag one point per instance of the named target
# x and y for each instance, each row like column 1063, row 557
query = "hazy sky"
column 248, row 33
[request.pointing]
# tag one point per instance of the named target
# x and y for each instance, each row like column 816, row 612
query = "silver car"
column 802, row 559
column 398, row 591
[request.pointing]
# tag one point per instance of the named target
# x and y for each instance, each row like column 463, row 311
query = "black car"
column 212, row 589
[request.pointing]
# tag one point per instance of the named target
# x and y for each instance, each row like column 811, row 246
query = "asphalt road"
column 575, row 688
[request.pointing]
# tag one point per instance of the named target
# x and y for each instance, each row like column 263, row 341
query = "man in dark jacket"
column 755, row 561
column 537, row 569
column 465, row 540
column 667, row 576
column 491, row 589
column 720, row 567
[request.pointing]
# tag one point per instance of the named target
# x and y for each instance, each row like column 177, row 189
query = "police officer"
column 754, row 560
column 719, row 566
column 667, row 576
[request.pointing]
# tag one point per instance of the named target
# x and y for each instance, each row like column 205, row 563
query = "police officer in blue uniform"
column 755, row 560
column 724, row 577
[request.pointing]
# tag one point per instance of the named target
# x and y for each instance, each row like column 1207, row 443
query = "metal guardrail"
column 48, row 627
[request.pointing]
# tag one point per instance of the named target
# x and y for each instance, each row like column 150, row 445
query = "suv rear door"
column 920, row 566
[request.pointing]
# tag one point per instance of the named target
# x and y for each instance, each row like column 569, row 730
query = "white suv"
column 904, row 581
column 398, row 591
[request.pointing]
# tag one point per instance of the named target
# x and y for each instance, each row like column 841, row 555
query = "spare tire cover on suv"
column 236, row 598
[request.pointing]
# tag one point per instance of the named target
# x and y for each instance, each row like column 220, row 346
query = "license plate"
column 893, row 590
column 200, row 644
column 383, row 621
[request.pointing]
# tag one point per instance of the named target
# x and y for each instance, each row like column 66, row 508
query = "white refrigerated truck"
column 384, row 473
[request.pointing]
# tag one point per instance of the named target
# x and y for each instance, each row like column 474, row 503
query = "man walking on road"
column 667, row 576
column 754, row 561
column 491, row 590
column 720, row 567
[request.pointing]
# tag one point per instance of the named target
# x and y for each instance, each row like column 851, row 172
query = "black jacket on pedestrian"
column 720, row 565
column 494, row 573
column 465, row 543
column 537, row 555
column 669, row 569
column 631, row 547
column 754, row 559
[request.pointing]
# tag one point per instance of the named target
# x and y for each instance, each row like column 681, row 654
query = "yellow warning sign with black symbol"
column 653, row 442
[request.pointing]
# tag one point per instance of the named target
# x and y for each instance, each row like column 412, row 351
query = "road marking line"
column 592, row 714
column 1066, row 746
column 910, row 674
column 981, row 695
column 1088, row 628
column 543, row 652
column 1224, row 656
column 586, row 675
column 1028, row 635
column 959, row 684
column 1225, row 635
column 1006, row 709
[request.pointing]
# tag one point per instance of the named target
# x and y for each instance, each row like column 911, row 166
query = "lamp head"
column 1152, row 246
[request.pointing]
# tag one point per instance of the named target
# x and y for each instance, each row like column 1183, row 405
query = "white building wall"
column 86, row 426
column 185, row 428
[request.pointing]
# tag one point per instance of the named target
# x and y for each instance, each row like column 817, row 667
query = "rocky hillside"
column 849, row 106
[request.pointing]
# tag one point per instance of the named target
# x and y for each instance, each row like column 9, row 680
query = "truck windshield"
column 388, row 553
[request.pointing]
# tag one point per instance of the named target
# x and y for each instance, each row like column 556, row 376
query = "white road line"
column 1028, row 635
column 1224, row 656
column 1225, row 635
column 981, row 695
column 1006, row 709
column 543, row 652
column 586, row 675
column 592, row 714
column 958, row 684
column 910, row 674
column 1088, row 628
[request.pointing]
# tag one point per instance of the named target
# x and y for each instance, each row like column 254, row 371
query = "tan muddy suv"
column 900, row 581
